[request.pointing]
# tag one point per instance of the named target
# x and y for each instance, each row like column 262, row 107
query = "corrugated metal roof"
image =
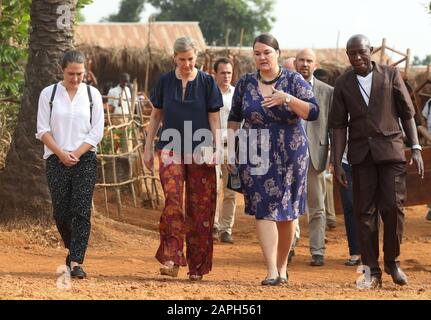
column 135, row 35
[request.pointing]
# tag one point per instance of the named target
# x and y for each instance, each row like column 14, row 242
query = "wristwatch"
column 289, row 98
column 417, row 147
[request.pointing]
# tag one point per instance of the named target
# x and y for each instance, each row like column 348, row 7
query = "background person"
column 226, row 198
column 318, row 146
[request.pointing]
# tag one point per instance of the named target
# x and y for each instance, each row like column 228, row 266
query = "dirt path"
column 121, row 265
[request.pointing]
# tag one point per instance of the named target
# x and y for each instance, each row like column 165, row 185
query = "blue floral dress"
column 278, row 191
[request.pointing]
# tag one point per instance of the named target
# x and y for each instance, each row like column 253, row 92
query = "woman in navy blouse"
column 272, row 101
column 187, row 102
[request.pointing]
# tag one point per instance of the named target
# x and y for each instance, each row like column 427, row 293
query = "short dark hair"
column 125, row 76
column 267, row 39
column 222, row 61
column 358, row 37
column 72, row 56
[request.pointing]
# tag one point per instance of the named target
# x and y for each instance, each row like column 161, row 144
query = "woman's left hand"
column 277, row 98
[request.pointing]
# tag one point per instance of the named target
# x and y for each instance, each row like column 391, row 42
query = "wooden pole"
column 105, row 190
column 130, row 130
column 407, row 64
column 424, row 132
column 147, row 70
column 382, row 53
column 114, row 174
column 337, row 47
column 241, row 39
column 227, row 38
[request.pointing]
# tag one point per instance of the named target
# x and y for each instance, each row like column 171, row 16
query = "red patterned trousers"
column 190, row 217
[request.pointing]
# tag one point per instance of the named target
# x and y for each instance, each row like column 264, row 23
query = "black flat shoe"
column 78, row 273
column 352, row 262
column 376, row 282
column 68, row 261
column 196, row 277
column 398, row 276
column 317, row 260
column 290, row 256
column 271, row 282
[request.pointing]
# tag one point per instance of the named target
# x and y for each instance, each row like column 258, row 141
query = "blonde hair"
column 184, row 44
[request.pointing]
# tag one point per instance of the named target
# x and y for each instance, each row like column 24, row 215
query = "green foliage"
column 219, row 17
column 418, row 62
column 8, row 122
column 14, row 24
column 13, row 45
column 81, row 4
column 130, row 11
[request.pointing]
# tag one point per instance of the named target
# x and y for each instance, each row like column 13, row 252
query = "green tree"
column 418, row 62
column 15, row 16
column 427, row 60
column 219, row 18
column 14, row 20
column 130, row 11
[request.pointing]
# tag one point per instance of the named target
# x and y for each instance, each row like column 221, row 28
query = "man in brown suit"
column 370, row 100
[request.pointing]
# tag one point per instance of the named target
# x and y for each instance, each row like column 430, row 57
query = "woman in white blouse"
column 70, row 123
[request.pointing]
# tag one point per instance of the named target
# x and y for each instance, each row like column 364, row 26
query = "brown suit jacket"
column 374, row 128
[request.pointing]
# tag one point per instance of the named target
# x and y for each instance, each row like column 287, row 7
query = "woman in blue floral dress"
column 272, row 102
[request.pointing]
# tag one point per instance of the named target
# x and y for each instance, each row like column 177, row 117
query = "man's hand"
column 340, row 175
column 417, row 158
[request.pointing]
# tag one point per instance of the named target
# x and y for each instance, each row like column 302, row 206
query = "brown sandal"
column 195, row 277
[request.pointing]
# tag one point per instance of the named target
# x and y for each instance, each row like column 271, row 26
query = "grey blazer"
column 317, row 131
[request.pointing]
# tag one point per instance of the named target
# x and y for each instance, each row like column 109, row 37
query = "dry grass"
column 8, row 121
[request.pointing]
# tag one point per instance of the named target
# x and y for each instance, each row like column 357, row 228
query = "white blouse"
column 69, row 123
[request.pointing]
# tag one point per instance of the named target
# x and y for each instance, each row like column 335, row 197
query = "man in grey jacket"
column 318, row 139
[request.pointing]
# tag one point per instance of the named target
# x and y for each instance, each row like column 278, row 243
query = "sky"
column 318, row 23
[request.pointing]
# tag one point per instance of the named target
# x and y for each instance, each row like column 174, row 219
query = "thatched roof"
column 325, row 55
column 135, row 35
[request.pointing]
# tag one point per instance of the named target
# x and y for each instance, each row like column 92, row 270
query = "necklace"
column 269, row 82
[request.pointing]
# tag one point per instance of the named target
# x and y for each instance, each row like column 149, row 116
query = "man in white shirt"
column 226, row 198
column 426, row 112
column 120, row 96
column 119, row 99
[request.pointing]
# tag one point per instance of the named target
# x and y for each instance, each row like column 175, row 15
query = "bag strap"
column 52, row 100
column 53, row 96
column 91, row 103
